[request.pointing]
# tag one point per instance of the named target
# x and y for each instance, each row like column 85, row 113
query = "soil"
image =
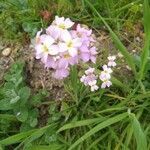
column 37, row 76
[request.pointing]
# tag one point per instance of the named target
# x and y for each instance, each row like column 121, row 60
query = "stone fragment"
column 6, row 52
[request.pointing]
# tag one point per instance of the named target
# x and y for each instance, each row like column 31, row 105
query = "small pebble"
column 134, row 51
column 6, row 52
column 128, row 67
column 138, row 39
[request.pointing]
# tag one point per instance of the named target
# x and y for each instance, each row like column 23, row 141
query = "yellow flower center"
column 45, row 48
column 69, row 44
column 66, row 56
column 62, row 26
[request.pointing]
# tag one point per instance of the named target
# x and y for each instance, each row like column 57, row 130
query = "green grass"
column 23, row 18
column 111, row 119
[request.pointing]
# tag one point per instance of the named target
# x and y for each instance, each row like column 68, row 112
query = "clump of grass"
column 116, row 118
column 20, row 17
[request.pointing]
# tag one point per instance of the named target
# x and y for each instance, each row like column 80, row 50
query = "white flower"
column 94, row 88
column 37, row 38
column 104, row 76
column 47, row 46
column 106, row 69
column 89, row 71
column 69, row 44
column 63, row 23
column 82, row 79
column 111, row 58
column 92, row 83
column 112, row 61
column 105, row 84
column 90, row 79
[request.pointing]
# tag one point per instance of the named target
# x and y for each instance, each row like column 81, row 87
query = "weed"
column 15, row 100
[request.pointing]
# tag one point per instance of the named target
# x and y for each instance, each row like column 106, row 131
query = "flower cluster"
column 61, row 46
column 90, row 79
column 105, row 75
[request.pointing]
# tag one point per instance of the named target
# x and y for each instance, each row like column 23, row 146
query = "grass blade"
column 79, row 124
column 118, row 83
column 98, row 127
column 116, row 40
column 16, row 138
column 146, row 49
column 139, row 134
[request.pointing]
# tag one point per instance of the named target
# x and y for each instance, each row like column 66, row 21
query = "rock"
column 6, row 52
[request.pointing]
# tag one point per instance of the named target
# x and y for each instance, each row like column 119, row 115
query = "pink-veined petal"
column 85, row 56
column 77, row 42
column 68, row 23
column 103, row 86
column 73, row 52
column 53, row 50
column 62, row 47
column 66, row 36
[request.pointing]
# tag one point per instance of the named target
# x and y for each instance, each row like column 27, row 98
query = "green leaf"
column 39, row 97
column 21, row 114
column 33, row 114
column 8, row 85
column 14, row 100
column 5, row 104
column 8, row 117
column 99, row 127
column 24, row 94
column 33, row 122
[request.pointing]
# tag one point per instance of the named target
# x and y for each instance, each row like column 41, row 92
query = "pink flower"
column 63, row 23
column 105, row 74
column 69, row 44
column 37, row 38
column 45, row 48
column 54, row 32
column 70, row 60
column 94, row 88
column 105, row 84
column 88, row 54
column 61, row 73
column 90, row 79
column 107, row 69
column 51, row 62
column 61, row 47
column 89, row 71
column 83, row 32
